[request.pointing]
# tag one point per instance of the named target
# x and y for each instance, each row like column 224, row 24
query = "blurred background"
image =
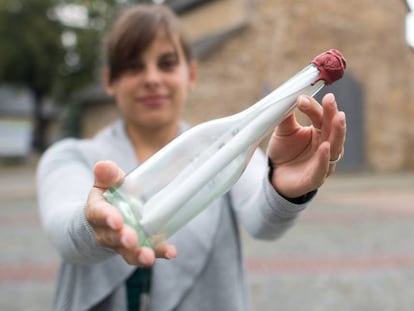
column 352, row 250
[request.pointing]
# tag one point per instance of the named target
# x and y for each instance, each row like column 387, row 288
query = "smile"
column 155, row 100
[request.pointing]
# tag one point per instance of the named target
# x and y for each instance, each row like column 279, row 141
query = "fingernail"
column 343, row 121
column 169, row 255
column 111, row 223
column 304, row 101
column 126, row 241
column 142, row 259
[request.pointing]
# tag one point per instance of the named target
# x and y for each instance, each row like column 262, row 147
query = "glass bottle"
column 180, row 180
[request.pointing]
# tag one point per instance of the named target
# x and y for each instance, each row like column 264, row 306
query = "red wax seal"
column 331, row 65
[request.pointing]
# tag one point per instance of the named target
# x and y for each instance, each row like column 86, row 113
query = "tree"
column 48, row 56
column 30, row 52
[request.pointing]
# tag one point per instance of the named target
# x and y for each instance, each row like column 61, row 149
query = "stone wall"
column 286, row 35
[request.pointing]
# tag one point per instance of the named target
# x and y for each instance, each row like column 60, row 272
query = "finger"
column 287, row 126
column 338, row 136
column 116, row 239
column 129, row 237
column 145, row 256
column 166, row 251
column 108, row 238
column 107, row 174
column 141, row 257
column 312, row 109
column 99, row 212
column 330, row 109
column 321, row 171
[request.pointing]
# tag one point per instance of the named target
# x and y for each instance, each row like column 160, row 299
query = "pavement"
column 352, row 249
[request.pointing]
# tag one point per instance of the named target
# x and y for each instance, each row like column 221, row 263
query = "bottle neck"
column 299, row 84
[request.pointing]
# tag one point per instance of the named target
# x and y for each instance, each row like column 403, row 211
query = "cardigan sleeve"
column 263, row 211
column 64, row 179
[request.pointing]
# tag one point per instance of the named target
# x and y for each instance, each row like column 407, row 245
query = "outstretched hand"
column 304, row 156
column 107, row 222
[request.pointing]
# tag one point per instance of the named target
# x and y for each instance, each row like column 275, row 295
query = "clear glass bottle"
column 179, row 181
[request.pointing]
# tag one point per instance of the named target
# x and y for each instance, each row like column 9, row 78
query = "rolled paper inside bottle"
column 271, row 111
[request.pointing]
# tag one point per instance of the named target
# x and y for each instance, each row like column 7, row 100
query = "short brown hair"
column 135, row 29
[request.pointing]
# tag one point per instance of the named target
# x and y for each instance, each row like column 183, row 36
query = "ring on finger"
column 332, row 162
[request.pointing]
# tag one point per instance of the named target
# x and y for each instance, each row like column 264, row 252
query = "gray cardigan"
column 208, row 273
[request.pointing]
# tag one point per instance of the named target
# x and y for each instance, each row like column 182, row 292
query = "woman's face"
column 152, row 91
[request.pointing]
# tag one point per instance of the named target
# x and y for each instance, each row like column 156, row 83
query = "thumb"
column 288, row 126
column 107, row 174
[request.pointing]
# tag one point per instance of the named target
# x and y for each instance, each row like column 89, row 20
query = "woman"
column 149, row 72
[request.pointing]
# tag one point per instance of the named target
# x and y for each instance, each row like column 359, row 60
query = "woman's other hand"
column 108, row 225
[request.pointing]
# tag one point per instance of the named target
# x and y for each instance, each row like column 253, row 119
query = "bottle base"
column 130, row 213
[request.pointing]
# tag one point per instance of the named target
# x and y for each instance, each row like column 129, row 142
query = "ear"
column 106, row 82
column 193, row 74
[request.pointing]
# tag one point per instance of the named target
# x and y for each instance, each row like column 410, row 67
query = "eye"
column 134, row 67
column 168, row 62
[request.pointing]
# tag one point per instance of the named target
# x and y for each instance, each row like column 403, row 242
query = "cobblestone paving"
column 351, row 250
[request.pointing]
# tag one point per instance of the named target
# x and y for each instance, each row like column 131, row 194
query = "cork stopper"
column 331, row 65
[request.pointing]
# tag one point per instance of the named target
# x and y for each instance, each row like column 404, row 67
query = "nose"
column 152, row 76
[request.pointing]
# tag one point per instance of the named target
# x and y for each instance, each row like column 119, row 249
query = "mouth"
column 152, row 100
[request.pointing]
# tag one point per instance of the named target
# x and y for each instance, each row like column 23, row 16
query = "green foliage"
column 33, row 53
column 31, row 49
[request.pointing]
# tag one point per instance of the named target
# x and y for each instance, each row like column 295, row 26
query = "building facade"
column 277, row 38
